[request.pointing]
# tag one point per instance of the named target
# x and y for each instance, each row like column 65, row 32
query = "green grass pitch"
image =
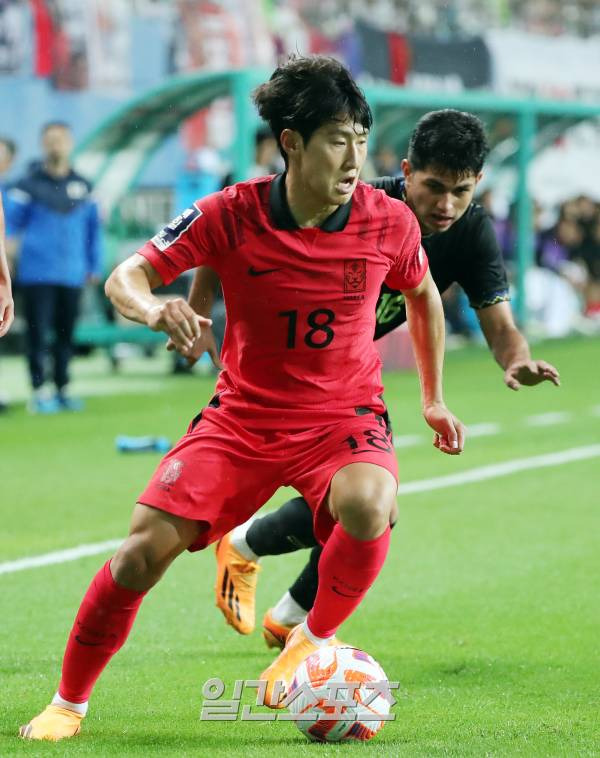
column 487, row 610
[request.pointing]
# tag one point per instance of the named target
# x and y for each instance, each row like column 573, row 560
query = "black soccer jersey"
column 468, row 253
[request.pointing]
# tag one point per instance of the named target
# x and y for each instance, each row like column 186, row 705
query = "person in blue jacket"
column 53, row 212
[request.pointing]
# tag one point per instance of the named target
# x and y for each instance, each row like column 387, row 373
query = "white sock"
column 319, row 641
column 77, row 707
column 238, row 540
column 288, row 612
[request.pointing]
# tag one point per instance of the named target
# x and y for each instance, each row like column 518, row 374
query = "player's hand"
column 7, row 309
column 205, row 343
column 449, row 434
column 179, row 321
column 530, row 373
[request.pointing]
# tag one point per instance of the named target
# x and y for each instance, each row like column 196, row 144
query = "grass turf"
column 486, row 610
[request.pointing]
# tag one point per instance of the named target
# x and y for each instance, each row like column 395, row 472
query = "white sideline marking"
column 408, row 440
column 423, row 485
column 482, row 430
column 60, row 556
column 501, row 469
column 548, row 419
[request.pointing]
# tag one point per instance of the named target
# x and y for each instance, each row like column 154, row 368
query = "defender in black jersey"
column 444, row 165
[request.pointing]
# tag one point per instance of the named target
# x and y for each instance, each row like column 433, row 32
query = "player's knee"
column 136, row 565
column 365, row 510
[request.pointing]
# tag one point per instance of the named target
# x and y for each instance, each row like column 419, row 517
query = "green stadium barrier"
column 109, row 334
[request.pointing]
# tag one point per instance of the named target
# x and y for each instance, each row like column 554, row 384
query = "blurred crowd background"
column 79, row 62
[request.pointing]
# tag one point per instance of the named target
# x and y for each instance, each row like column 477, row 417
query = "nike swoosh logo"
column 83, row 642
column 344, row 594
column 260, row 272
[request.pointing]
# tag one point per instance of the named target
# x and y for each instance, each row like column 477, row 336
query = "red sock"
column 347, row 568
column 102, row 624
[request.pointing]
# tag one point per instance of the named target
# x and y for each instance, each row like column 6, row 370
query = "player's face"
column 331, row 161
column 438, row 198
column 57, row 142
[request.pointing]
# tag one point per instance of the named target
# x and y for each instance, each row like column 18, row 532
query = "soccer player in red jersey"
column 444, row 164
column 301, row 258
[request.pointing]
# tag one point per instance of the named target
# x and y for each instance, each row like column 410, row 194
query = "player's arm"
column 425, row 317
column 510, row 349
column 201, row 298
column 202, row 292
column 129, row 288
column 483, row 277
column 7, row 309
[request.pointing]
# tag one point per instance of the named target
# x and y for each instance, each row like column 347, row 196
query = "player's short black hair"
column 306, row 92
column 52, row 124
column 450, row 140
column 9, row 144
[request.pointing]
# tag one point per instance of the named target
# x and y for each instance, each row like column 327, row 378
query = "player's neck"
column 306, row 210
column 57, row 167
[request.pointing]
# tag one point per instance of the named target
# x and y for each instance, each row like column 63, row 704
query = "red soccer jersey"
column 300, row 302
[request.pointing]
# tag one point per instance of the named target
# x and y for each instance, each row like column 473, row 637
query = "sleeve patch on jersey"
column 173, row 231
column 498, row 297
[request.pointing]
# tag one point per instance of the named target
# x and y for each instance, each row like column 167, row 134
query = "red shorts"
column 220, row 473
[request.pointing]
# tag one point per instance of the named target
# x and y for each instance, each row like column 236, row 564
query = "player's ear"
column 478, row 178
column 290, row 141
column 406, row 168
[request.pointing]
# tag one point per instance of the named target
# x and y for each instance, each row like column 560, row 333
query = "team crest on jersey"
column 355, row 275
column 76, row 190
column 173, row 231
column 172, row 472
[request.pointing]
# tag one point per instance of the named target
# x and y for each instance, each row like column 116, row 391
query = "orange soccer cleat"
column 54, row 723
column 235, row 589
column 275, row 633
column 297, row 648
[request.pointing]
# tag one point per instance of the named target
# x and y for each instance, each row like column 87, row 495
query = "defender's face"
column 331, row 161
column 57, row 142
column 438, row 198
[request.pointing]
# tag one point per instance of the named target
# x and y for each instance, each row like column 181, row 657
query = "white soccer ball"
column 339, row 694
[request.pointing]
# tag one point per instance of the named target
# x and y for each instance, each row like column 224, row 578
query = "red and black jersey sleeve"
column 409, row 258
column 194, row 238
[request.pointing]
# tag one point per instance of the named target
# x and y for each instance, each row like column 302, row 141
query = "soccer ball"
column 339, row 694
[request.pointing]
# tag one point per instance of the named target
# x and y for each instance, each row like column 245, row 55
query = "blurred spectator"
column 8, row 150
column 6, row 301
column 453, row 18
column 267, row 159
column 386, row 162
column 559, row 287
column 52, row 211
column 592, row 260
column 571, row 248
